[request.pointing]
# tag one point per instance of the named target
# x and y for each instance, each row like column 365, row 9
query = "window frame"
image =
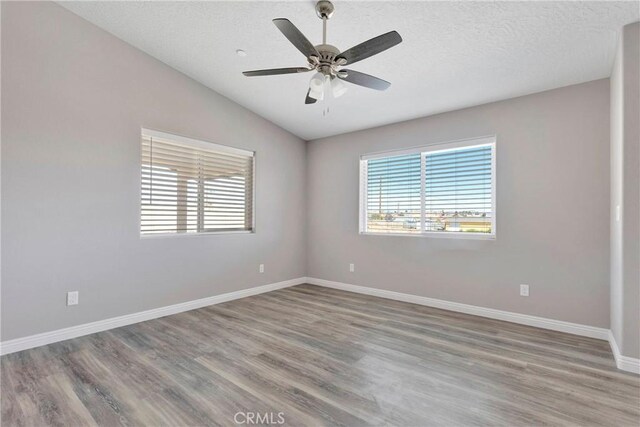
column 490, row 140
column 204, row 145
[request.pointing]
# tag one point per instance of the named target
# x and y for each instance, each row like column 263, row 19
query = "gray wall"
column 73, row 100
column 625, row 193
column 552, row 210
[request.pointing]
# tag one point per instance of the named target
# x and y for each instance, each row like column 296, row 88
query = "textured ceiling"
column 454, row 54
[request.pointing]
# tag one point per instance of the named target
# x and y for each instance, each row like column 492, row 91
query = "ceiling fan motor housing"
column 327, row 53
column 326, row 63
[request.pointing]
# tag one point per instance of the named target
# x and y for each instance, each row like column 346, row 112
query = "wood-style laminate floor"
column 320, row 356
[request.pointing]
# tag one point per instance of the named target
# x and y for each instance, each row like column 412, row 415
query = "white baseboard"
column 624, row 363
column 19, row 344
column 523, row 319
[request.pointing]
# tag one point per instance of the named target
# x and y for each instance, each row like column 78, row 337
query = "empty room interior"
column 315, row 213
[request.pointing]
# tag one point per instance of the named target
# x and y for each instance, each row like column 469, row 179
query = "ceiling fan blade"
column 296, row 37
column 275, row 71
column 362, row 79
column 371, row 47
column 308, row 99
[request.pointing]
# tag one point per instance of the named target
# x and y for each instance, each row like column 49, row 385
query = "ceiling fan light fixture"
column 316, row 84
column 317, row 95
column 338, row 88
column 327, row 84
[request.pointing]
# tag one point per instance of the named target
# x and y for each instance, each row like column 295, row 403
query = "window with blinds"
column 191, row 186
column 441, row 189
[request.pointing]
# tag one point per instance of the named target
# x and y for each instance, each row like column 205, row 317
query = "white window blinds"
column 445, row 189
column 190, row 186
column 393, row 194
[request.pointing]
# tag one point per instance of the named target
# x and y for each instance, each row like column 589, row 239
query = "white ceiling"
column 454, row 54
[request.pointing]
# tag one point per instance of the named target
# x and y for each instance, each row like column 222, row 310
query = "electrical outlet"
column 72, row 298
column 352, row 268
column 524, row 290
column 261, row 268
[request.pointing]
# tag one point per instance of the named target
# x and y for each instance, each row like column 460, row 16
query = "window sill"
column 449, row 235
column 206, row 233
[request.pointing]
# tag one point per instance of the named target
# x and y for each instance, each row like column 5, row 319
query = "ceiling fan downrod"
column 324, row 10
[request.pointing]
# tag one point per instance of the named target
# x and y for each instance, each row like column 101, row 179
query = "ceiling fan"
column 328, row 60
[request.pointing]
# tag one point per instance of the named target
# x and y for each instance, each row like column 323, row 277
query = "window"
column 441, row 189
column 190, row 186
